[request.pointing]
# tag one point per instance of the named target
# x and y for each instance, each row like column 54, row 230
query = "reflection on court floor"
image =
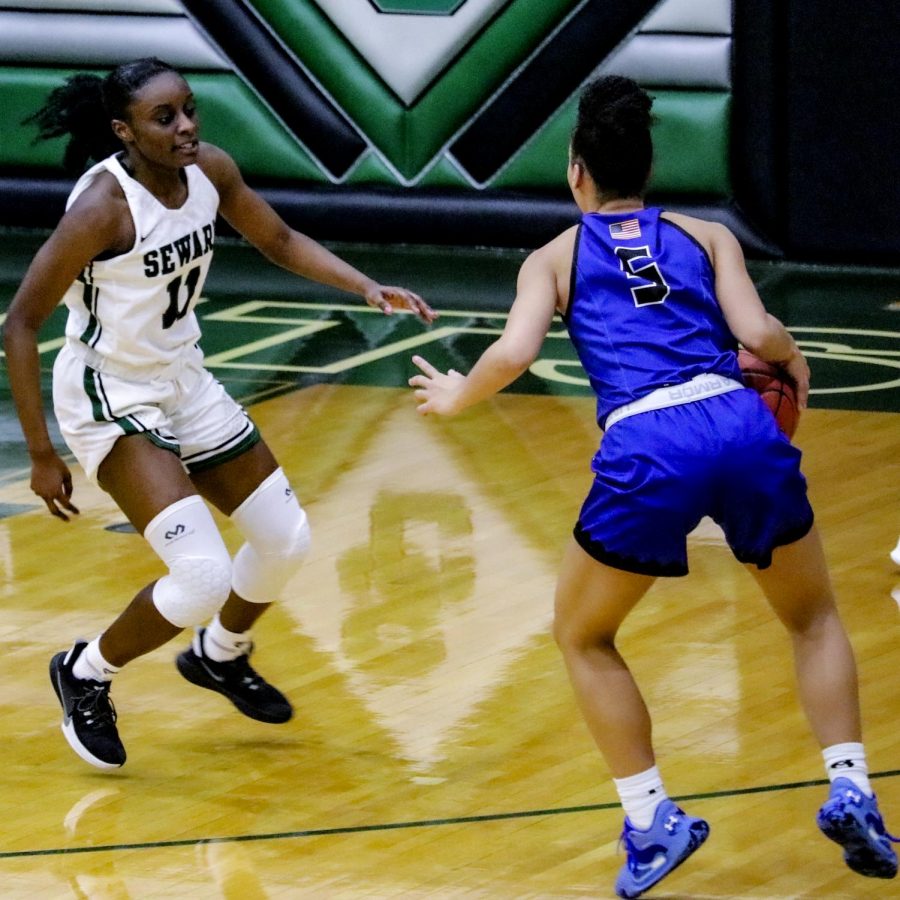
column 436, row 750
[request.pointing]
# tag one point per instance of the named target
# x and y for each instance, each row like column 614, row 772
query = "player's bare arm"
column 93, row 225
column 509, row 356
column 254, row 218
column 756, row 329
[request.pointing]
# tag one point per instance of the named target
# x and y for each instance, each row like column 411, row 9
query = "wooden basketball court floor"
column 436, row 750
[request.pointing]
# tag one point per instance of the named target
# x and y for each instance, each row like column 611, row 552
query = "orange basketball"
column 776, row 388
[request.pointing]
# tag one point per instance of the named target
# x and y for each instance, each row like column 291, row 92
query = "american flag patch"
column 624, row 230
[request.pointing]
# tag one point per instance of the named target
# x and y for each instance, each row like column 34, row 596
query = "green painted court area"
column 267, row 332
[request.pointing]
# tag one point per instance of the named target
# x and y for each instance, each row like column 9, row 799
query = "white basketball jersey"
column 135, row 310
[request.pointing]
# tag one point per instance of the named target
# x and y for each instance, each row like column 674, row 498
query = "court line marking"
column 416, row 823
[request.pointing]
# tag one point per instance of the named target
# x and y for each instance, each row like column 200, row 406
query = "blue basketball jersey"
column 643, row 315
column 642, row 310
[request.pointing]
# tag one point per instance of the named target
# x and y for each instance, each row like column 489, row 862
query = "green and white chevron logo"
column 410, row 44
column 468, row 93
column 445, row 91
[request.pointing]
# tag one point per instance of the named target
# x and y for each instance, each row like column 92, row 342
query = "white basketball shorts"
column 186, row 411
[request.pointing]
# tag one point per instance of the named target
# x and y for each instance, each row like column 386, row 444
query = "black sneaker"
column 89, row 718
column 236, row 680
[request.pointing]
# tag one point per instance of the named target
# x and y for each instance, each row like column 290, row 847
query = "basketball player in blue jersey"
column 134, row 402
column 655, row 304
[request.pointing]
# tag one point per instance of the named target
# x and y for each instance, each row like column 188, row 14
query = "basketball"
column 776, row 388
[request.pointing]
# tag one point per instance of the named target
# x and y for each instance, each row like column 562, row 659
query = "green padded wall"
column 231, row 115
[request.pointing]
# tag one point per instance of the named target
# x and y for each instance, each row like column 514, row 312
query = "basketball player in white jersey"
column 134, row 403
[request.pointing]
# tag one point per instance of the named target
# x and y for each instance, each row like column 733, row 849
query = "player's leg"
column 227, row 486
column 632, row 528
column 253, row 490
column 150, row 486
column 799, row 590
column 234, row 469
column 798, row 587
column 592, row 601
column 761, row 504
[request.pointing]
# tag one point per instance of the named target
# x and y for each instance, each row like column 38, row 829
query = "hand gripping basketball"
column 775, row 386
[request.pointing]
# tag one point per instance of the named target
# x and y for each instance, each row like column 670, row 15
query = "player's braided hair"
column 83, row 106
column 612, row 135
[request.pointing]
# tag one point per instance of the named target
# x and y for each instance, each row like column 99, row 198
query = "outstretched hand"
column 386, row 297
column 51, row 480
column 436, row 392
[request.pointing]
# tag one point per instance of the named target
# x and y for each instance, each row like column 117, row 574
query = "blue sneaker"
column 852, row 819
column 664, row 846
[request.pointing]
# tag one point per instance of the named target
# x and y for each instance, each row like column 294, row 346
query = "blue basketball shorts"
column 658, row 473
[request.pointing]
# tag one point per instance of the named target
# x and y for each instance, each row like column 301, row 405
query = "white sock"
column 222, row 645
column 640, row 795
column 848, row 761
column 91, row 665
column 895, row 554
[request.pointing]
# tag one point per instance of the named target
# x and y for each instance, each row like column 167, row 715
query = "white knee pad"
column 184, row 535
column 277, row 540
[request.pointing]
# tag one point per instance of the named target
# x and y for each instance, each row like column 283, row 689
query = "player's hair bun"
column 616, row 104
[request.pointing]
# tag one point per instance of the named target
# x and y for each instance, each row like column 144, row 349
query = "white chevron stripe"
column 161, row 7
column 407, row 51
column 691, row 17
column 680, row 61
